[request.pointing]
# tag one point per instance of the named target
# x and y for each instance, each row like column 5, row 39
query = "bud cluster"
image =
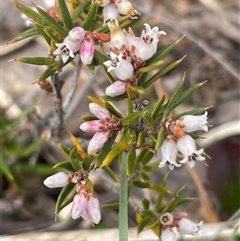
column 84, row 204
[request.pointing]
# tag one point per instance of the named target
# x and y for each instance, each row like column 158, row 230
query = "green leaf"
column 62, row 196
column 141, row 184
column 64, row 165
column 128, row 135
column 41, row 32
column 65, row 149
column 66, row 18
column 160, row 188
column 113, row 110
column 141, row 139
column 100, row 57
column 143, row 223
column 145, row 177
column 163, row 52
column 148, row 68
column 131, row 161
column 147, row 157
column 161, row 194
column 75, row 158
column 145, row 203
column 149, row 120
column 87, row 161
column 116, row 150
column 111, row 173
column 51, row 22
column 131, row 118
column 5, row 169
column 197, row 111
column 26, row 34
column 36, row 60
column 162, row 72
column 90, row 18
column 142, row 79
column 51, row 35
column 157, row 107
column 160, row 138
column 110, row 206
column 48, row 72
column 80, row 8
column 39, row 168
column 29, row 12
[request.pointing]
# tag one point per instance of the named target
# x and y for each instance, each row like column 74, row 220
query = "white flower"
column 187, row 146
column 195, row 123
column 169, row 153
column 59, row 179
column 110, row 12
column 121, row 67
column 148, row 42
column 169, row 234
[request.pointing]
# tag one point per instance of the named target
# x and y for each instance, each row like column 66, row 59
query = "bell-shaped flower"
column 121, row 67
column 194, row 122
column 59, row 179
column 169, row 234
column 78, row 205
column 92, row 211
column 115, row 89
column 169, row 153
column 87, row 50
column 187, row 226
column 110, row 12
column 148, row 43
column 187, row 146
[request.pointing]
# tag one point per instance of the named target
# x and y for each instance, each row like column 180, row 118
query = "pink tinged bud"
column 115, row 89
column 59, row 179
column 121, row 67
column 78, row 206
column 77, row 34
column 195, row 123
column 124, row 7
column 169, row 153
column 110, row 12
column 91, row 126
column 187, row 146
column 97, row 142
column 93, row 210
column 100, row 112
column 87, row 50
column 168, row 235
column 67, row 49
column 186, row 226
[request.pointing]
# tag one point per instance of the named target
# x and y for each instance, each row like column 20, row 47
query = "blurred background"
column 211, row 43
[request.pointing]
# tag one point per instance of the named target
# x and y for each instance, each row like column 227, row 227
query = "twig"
column 72, row 91
column 57, row 121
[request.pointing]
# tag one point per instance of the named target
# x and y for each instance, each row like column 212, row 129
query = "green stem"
column 123, row 205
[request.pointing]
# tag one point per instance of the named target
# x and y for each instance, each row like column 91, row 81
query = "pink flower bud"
column 92, row 126
column 93, row 210
column 77, row 34
column 115, row 89
column 78, row 205
column 59, row 179
column 99, row 111
column 87, row 50
column 97, row 142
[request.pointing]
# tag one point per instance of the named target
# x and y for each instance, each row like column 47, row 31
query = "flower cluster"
column 84, row 204
column 103, row 127
column 112, row 9
column 127, row 54
column 178, row 141
column 177, row 221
